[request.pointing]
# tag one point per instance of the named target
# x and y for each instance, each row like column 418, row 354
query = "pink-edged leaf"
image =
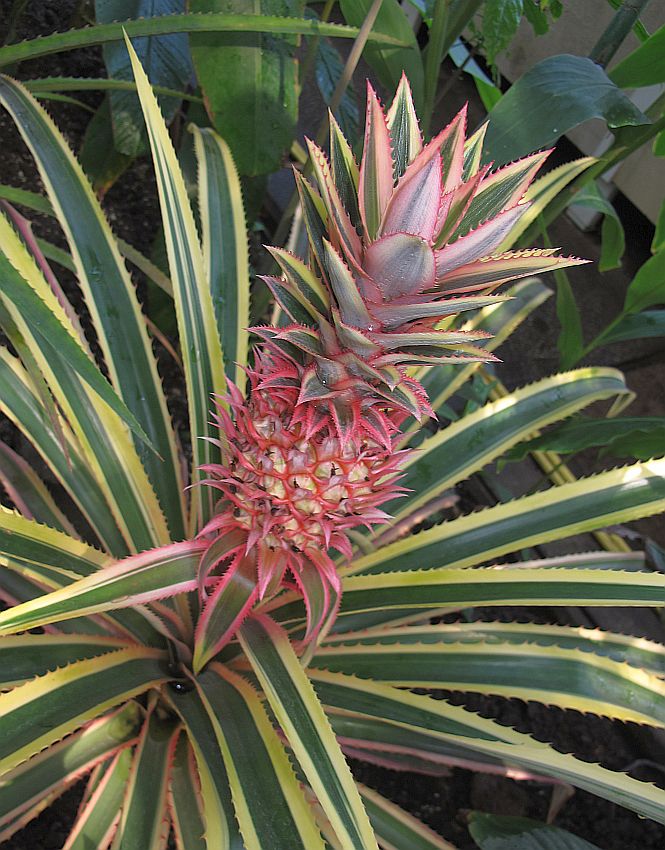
column 301, row 277
column 473, row 151
column 314, row 215
column 400, row 264
column 142, row 578
column 414, row 205
column 452, row 150
column 343, row 284
column 355, row 340
column 226, row 608
column 500, row 190
column 339, row 222
column 395, row 314
column 185, row 800
column 492, row 271
column 403, row 126
column 321, row 600
column 450, row 339
column 376, row 168
column 454, row 205
column 479, row 243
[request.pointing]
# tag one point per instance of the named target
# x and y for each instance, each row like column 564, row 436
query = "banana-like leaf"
column 225, row 252
column 268, row 800
column 221, row 829
column 105, row 440
column 299, row 713
column 44, row 710
column 98, row 817
column 197, row 326
column 23, row 657
column 567, row 678
column 639, row 652
column 143, row 821
column 620, row 495
column 161, row 25
column 185, row 799
column 472, row 442
column 109, row 294
column 29, row 493
column 22, row 405
column 134, row 581
column 397, row 829
column 435, row 721
column 67, row 760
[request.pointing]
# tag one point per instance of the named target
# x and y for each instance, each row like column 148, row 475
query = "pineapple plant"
column 216, row 641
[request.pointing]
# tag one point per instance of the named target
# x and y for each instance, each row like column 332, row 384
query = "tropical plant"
column 207, row 670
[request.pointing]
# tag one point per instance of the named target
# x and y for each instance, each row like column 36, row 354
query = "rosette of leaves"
column 251, row 751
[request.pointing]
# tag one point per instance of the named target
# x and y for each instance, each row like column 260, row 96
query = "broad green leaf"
column 299, row 713
column 397, row 829
column 500, row 21
column 567, row 678
column 658, row 243
column 225, row 250
column 44, row 710
column 270, row 807
column 221, row 829
column 98, row 815
column 496, row 832
column 166, row 61
column 210, row 23
column 250, row 84
column 142, row 823
column 634, row 650
column 109, row 296
column 389, row 63
column 476, row 439
column 613, row 238
column 554, row 96
column 646, row 434
column 647, row 288
column 100, row 160
column 644, row 325
column 644, row 66
column 185, row 801
column 616, row 496
column 134, row 581
column 23, row 657
column 436, row 722
column 328, row 70
column 198, row 332
column 40, row 775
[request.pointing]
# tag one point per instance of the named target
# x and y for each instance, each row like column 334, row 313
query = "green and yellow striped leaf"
column 143, row 578
column 221, row 828
column 144, row 822
column 69, row 759
column 299, row 713
column 431, row 722
column 22, row 405
column 397, row 829
column 44, row 710
column 109, row 294
column 567, row 678
column 269, row 803
column 224, row 244
column 197, row 326
column 185, row 802
column 469, row 444
column 25, row 656
column 98, row 818
column 619, row 495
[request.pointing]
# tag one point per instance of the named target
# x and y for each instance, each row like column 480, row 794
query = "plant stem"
column 282, row 229
column 617, row 31
column 313, row 46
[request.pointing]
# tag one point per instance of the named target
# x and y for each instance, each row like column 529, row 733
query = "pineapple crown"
column 399, row 248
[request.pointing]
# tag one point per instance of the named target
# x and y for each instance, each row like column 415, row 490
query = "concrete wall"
column 642, row 176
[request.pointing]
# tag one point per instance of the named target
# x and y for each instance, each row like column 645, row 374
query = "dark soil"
column 441, row 802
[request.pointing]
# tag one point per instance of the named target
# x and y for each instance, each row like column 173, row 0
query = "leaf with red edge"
column 376, row 168
column 226, row 608
column 351, row 303
column 403, row 127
